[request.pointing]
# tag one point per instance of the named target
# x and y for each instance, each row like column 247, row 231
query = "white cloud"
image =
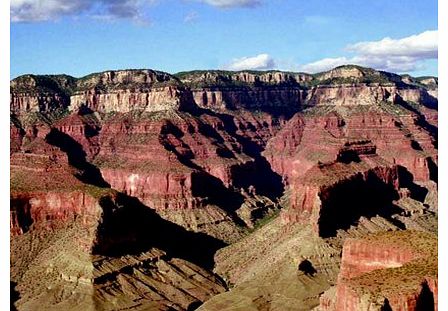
column 397, row 55
column 44, row 10
column 324, row 64
column 233, row 3
column 259, row 62
column 40, row 10
column 423, row 45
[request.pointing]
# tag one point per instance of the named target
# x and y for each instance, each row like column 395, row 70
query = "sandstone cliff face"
column 82, row 130
column 304, row 141
column 281, row 149
column 169, row 159
column 139, row 77
column 344, row 72
column 368, row 262
column 15, row 137
column 399, row 140
column 354, row 85
column 360, row 256
column 111, row 91
column 217, row 77
column 114, row 154
column 257, row 98
column 148, row 90
column 336, row 144
column 166, row 158
column 24, row 102
column 349, row 95
column 156, row 190
column 31, row 93
column 129, row 90
column 40, row 210
column 220, row 90
column 417, row 95
column 363, row 94
column 156, row 99
column 70, row 251
column 316, row 200
column 63, row 231
column 45, row 194
column 132, row 160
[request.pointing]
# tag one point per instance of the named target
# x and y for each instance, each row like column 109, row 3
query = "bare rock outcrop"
column 127, row 186
column 395, row 270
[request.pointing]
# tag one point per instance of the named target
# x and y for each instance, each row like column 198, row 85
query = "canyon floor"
column 219, row 190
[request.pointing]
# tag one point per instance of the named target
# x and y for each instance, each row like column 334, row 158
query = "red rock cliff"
column 395, row 270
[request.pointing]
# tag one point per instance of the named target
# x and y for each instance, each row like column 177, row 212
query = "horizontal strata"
column 122, row 165
column 147, row 90
column 144, row 78
column 397, row 270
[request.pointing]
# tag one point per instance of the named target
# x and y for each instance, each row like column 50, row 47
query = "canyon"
column 220, row 190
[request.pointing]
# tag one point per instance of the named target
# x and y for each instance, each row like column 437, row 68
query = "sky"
column 78, row 37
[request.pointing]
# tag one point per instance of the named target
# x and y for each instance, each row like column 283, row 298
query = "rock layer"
column 144, row 175
column 396, row 271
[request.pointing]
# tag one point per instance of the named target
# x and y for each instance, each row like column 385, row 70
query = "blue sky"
column 78, row 37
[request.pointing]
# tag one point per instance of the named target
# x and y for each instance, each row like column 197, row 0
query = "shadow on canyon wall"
column 88, row 173
column 129, row 227
column 346, row 202
column 425, row 301
column 259, row 173
column 14, row 295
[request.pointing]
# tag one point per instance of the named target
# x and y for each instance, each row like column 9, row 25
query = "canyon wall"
column 207, row 157
column 386, row 271
column 146, row 133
